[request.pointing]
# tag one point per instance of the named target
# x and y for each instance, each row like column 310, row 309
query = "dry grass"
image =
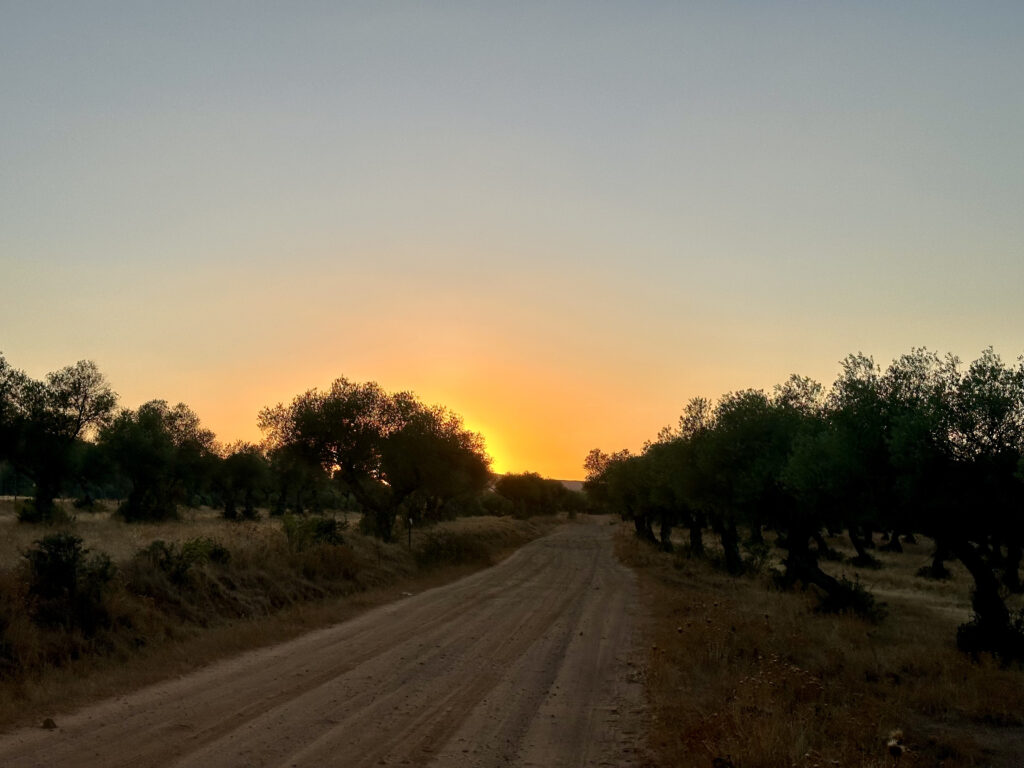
column 103, row 532
column 266, row 593
column 742, row 672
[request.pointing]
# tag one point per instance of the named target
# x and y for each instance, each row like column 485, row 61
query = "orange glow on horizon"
column 541, row 394
column 564, row 280
column 229, row 431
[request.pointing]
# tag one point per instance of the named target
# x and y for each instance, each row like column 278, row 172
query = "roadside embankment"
column 98, row 607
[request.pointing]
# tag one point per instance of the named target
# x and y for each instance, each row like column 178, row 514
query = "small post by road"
column 408, row 527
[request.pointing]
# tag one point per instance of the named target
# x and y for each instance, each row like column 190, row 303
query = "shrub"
column 467, row 505
column 495, row 504
column 175, row 562
column 1006, row 643
column 56, row 515
column 303, row 532
column 66, row 585
column 760, row 556
column 86, row 503
column 851, row 597
column 143, row 507
column 165, row 558
column 205, row 550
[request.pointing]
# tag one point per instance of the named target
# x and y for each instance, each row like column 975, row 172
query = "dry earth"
column 530, row 663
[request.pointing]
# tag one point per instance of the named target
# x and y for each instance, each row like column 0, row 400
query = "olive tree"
column 386, row 450
column 42, row 421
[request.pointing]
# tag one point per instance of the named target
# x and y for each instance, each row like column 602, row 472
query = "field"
column 755, row 677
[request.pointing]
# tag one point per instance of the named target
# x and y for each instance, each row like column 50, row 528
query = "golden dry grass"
column 104, row 532
column 739, row 671
column 267, row 593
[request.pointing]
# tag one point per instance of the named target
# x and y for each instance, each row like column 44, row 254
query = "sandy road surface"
column 528, row 663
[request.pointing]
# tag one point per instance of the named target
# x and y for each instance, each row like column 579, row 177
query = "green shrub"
column 205, row 550
column 165, row 558
column 66, row 585
column 175, row 562
column 303, row 532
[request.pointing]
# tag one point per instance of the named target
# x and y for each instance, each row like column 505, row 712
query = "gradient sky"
column 561, row 220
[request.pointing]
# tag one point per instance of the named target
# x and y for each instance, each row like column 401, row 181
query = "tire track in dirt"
column 528, row 663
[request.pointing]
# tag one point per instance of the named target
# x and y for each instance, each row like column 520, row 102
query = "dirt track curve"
column 529, row 663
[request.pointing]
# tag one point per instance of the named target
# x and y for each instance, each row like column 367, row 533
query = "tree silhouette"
column 242, row 478
column 384, row 449
column 164, row 453
column 531, row 494
column 43, row 421
column 430, row 460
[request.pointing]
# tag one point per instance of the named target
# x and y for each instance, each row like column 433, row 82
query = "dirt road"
column 529, row 663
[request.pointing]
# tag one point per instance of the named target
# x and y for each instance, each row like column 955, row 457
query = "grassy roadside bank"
column 172, row 607
column 757, row 678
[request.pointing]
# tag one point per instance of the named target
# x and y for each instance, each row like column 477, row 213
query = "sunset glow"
column 560, row 222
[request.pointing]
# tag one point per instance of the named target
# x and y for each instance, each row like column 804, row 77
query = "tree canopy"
column 42, row 422
column 389, row 451
column 925, row 446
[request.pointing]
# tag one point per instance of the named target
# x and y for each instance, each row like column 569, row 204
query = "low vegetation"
column 756, row 677
column 97, row 604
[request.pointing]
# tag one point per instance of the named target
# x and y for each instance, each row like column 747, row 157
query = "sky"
column 562, row 220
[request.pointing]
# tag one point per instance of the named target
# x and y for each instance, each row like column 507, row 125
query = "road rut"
column 530, row 663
